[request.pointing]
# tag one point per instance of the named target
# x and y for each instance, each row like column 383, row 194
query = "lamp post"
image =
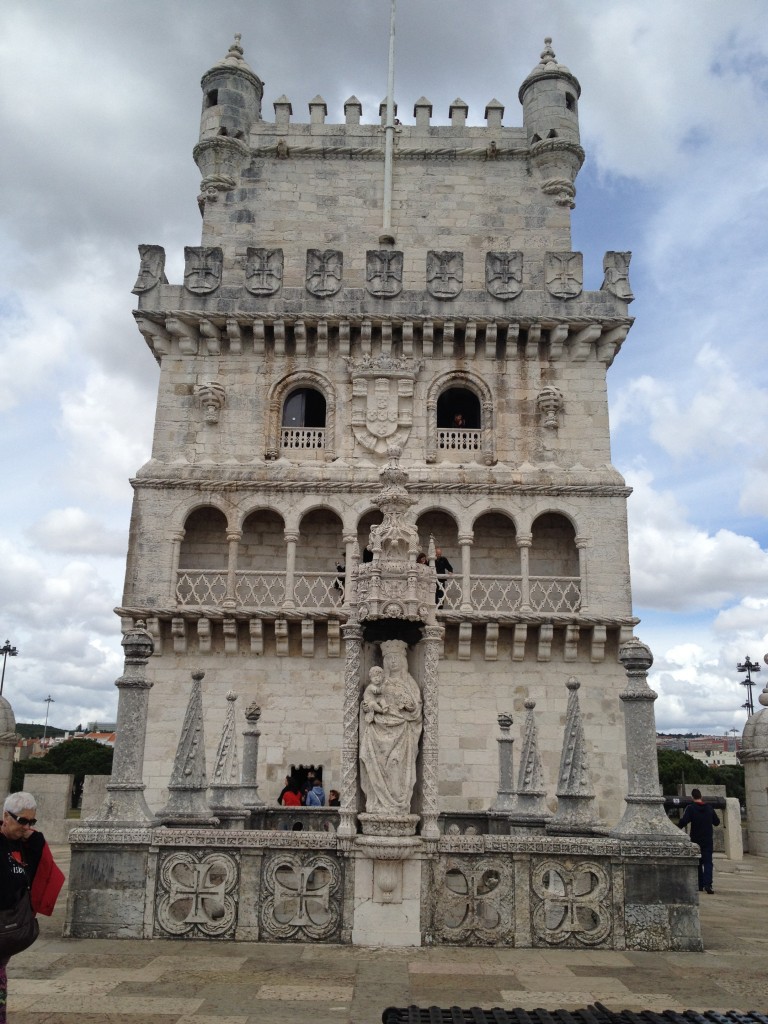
column 6, row 650
column 749, row 667
column 48, row 701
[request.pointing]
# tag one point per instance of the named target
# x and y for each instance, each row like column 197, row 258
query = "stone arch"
column 282, row 390
column 262, row 541
column 444, row 525
column 204, row 544
column 321, row 539
column 553, row 545
column 462, row 380
column 494, row 544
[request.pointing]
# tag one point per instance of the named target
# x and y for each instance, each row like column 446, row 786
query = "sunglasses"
column 26, row 822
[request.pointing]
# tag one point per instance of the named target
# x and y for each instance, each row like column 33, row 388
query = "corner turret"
column 550, row 96
column 232, row 95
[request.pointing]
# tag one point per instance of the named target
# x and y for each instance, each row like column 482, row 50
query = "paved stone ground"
column 88, row 981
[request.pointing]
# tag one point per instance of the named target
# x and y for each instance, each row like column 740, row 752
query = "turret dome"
column 548, row 67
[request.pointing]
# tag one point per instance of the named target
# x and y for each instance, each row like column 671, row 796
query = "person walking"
column 30, row 882
column 702, row 818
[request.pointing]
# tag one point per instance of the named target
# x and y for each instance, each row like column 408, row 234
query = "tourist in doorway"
column 291, row 797
column 316, row 795
column 30, row 882
column 443, row 568
column 702, row 818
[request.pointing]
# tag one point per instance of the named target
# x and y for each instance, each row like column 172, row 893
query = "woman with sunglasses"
column 26, row 864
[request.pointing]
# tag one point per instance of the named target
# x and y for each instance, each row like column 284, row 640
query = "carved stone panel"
column 263, row 270
column 504, row 274
column 301, row 897
column 571, row 904
column 445, row 274
column 324, row 272
column 202, row 268
column 474, row 901
column 151, row 268
column 196, row 894
column 382, row 400
column 384, row 273
column 616, row 270
column 564, row 274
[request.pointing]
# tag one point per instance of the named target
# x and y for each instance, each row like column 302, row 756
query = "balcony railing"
column 462, row 440
column 302, row 438
column 325, row 590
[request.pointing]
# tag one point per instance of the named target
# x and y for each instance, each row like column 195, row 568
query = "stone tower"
column 301, row 346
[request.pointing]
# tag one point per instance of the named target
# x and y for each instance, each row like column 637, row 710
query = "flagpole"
column 389, row 138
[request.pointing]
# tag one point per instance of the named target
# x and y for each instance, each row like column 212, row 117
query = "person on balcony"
column 443, row 568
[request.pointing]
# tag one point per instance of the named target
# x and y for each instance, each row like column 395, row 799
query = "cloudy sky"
column 99, row 112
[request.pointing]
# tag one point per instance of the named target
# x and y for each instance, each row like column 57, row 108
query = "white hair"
column 18, row 802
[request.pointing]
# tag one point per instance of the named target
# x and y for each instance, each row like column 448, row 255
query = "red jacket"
column 47, row 884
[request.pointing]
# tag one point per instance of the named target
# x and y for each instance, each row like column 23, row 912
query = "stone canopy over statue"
column 390, row 728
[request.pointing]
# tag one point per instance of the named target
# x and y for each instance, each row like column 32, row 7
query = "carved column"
column 353, row 640
column 176, row 540
column 290, row 567
column 233, row 540
column 524, row 542
column 125, row 804
column 249, row 774
column 505, row 795
column 644, row 814
column 431, row 455
column 351, row 558
column 581, row 546
column 465, row 543
column 433, row 639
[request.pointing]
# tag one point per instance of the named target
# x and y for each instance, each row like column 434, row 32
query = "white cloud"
column 74, row 531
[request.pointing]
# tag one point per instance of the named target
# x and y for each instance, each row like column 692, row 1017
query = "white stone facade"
column 299, row 346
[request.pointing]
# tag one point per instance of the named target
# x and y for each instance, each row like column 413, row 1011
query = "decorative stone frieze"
column 197, row 894
column 324, row 272
column 571, row 904
column 384, row 273
column 151, row 269
column 564, row 274
column 504, row 274
column 263, row 270
column 202, row 268
column 474, row 901
column 445, row 274
column 301, row 898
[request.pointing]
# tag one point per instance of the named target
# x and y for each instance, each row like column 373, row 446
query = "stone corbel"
column 156, row 336
column 582, row 342
column 608, row 344
column 211, row 397
column 557, row 337
column 211, row 336
column 235, row 336
column 185, row 334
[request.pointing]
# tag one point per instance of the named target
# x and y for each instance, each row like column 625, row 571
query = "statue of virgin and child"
column 390, row 727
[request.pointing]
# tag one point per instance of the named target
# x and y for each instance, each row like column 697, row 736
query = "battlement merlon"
column 237, row 146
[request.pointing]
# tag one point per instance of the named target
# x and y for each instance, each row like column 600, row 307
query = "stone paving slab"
column 91, row 981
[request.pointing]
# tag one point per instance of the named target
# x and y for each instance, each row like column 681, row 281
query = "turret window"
column 212, row 98
column 570, row 101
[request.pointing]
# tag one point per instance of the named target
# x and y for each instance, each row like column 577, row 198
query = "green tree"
column 72, row 757
column 675, row 765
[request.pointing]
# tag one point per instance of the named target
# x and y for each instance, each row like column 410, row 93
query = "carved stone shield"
column 504, row 274
column 384, row 272
column 616, row 270
column 202, row 268
column 564, row 274
column 445, row 274
column 324, row 270
column 382, row 400
column 263, row 270
column 151, row 268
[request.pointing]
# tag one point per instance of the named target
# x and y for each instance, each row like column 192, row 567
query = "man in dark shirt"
column 702, row 818
column 442, row 568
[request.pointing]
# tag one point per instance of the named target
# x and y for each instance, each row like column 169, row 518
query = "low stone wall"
column 277, row 885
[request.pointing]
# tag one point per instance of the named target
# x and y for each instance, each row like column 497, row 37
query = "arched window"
column 460, row 419
column 303, row 421
column 459, row 407
column 555, row 584
column 201, row 578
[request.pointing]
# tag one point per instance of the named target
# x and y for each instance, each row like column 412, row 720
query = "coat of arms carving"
column 202, row 268
column 151, row 268
column 384, row 272
column 324, row 270
column 382, row 400
column 504, row 274
column 616, row 270
column 263, row 270
column 564, row 274
column 445, row 274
